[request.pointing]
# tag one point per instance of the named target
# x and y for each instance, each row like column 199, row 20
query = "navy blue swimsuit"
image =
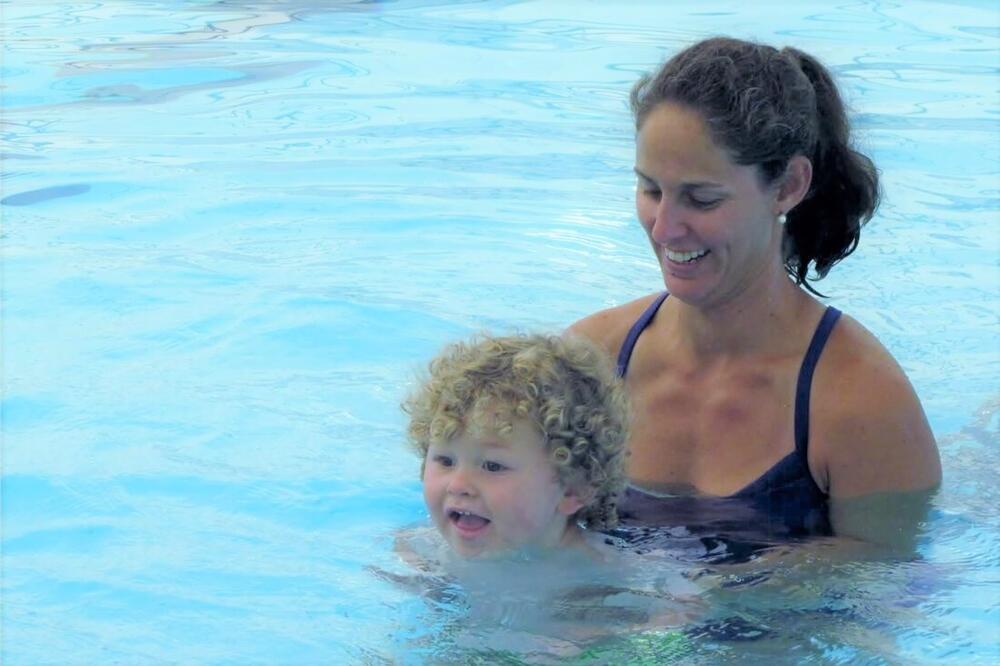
column 783, row 503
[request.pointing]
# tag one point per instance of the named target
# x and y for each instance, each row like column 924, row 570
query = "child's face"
column 490, row 493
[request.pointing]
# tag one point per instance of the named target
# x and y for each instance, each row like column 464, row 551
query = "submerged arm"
column 890, row 521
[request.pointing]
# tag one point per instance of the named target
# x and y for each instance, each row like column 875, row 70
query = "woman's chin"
column 689, row 290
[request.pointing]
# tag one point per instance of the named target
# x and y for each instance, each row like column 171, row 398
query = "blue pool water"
column 232, row 232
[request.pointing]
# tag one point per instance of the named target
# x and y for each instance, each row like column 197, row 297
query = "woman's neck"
column 757, row 319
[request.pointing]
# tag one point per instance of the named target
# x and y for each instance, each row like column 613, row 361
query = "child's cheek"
column 526, row 510
column 432, row 490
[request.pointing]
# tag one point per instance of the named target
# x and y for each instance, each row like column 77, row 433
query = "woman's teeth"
column 684, row 257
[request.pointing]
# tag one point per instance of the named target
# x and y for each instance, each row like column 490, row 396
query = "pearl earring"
column 782, row 218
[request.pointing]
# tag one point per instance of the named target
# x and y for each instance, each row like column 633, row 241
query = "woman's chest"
column 717, row 429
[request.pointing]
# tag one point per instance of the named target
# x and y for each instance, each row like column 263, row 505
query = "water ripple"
column 45, row 194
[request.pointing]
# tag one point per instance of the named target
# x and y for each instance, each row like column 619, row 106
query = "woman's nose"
column 667, row 224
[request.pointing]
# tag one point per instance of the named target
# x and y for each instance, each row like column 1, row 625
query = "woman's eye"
column 703, row 204
column 491, row 466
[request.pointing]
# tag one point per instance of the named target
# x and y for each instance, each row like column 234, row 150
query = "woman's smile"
column 681, row 257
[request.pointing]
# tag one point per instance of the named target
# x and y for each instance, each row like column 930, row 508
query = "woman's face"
column 710, row 221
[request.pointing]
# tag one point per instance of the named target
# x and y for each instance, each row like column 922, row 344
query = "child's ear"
column 573, row 500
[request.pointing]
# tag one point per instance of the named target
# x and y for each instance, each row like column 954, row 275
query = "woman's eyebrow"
column 641, row 174
column 685, row 186
column 701, row 185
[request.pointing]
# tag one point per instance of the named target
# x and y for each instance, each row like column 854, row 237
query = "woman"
column 751, row 399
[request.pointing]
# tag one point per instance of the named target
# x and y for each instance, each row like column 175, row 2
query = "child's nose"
column 461, row 483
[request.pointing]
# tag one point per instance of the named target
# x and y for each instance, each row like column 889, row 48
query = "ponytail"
column 826, row 226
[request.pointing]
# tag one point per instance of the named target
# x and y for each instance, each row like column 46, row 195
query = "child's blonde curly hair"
column 565, row 387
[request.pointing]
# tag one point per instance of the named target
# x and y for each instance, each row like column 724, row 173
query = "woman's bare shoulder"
column 608, row 328
column 857, row 365
column 854, row 348
column 868, row 426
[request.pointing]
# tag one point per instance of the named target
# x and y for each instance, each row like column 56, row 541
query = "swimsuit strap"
column 804, row 385
column 625, row 353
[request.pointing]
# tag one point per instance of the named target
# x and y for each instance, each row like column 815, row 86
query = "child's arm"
column 430, row 581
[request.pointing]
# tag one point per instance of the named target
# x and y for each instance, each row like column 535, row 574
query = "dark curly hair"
column 764, row 106
column 565, row 387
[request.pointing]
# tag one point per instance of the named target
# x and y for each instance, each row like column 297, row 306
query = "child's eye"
column 444, row 461
column 492, row 466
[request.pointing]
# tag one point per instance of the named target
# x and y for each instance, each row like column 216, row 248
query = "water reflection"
column 798, row 603
column 37, row 196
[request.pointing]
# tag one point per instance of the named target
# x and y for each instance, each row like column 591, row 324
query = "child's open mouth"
column 468, row 524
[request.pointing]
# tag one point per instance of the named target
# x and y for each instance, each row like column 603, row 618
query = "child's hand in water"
column 414, row 546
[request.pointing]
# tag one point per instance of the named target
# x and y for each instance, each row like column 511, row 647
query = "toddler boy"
column 523, row 441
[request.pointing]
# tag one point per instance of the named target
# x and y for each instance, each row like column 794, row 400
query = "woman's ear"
column 794, row 184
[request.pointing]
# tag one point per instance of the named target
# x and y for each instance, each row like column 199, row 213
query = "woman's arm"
column 870, row 442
